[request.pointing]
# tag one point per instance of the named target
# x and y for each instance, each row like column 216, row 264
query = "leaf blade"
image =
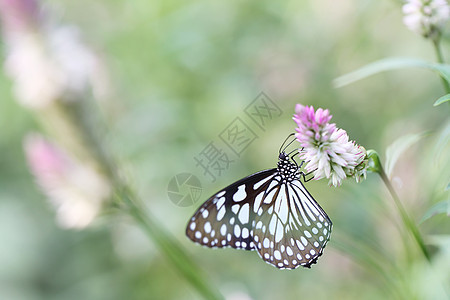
column 394, row 150
column 442, row 99
column 439, row 208
column 389, row 64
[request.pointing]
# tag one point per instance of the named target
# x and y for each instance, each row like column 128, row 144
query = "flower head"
column 47, row 63
column 326, row 148
column 426, row 17
column 76, row 190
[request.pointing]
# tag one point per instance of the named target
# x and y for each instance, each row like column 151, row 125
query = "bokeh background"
column 180, row 72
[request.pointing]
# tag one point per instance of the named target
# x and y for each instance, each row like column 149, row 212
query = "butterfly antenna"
column 284, row 146
column 293, row 151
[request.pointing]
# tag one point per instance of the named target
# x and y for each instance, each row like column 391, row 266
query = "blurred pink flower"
column 426, row 17
column 326, row 148
column 46, row 62
column 76, row 191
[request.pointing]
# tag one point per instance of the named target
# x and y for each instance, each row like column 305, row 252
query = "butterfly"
column 271, row 212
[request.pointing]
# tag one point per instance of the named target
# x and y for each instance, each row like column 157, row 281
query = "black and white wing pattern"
column 270, row 212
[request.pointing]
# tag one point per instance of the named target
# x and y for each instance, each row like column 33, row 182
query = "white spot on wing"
column 277, row 254
column 279, row 233
column 282, row 206
column 260, row 211
column 289, row 251
column 272, row 224
column 260, row 183
column 240, row 194
column 270, row 196
column 237, row 231
column 244, row 233
column 259, row 224
column 207, row 227
column 258, row 200
column 223, row 229
column 299, row 245
column 220, row 202
column 244, row 213
column 221, row 213
column 304, row 241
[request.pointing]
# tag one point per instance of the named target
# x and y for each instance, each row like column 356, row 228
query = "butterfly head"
column 287, row 169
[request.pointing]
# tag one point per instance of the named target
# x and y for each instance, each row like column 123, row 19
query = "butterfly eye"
column 270, row 212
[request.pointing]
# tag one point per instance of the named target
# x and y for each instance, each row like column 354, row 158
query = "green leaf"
column 441, row 100
column 439, row 208
column 391, row 64
column 443, row 142
column 374, row 161
column 396, row 149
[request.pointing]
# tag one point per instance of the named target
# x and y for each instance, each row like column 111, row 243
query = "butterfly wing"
column 291, row 228
column 226, row 219
column 279, row 219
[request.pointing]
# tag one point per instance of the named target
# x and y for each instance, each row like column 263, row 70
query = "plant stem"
column 405, row 217
column 168, row 246
column 440, row 59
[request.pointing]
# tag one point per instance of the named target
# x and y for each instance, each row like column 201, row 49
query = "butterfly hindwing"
column 293, row 229
column 226, row 218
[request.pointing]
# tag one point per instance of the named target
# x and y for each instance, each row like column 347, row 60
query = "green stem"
column 440, row 59
column 405, row 217
column 375, row 166
column 168, row 245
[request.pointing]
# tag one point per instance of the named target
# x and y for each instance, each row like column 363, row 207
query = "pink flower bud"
column 76, row 191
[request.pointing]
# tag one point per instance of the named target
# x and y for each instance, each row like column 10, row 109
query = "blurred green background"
column 181, row 71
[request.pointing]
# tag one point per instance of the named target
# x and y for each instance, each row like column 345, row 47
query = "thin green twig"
column 375, row 166
column 441, row 60
column 405, row 217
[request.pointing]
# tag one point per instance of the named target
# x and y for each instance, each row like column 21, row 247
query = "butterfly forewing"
column 226, row 218
column 271, row 212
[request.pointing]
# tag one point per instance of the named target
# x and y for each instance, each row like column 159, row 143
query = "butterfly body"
column 270, row 212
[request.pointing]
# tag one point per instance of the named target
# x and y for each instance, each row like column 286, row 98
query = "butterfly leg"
column 307, row 174
column 293, row 159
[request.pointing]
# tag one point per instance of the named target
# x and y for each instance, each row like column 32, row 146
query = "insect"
column 271, row 212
